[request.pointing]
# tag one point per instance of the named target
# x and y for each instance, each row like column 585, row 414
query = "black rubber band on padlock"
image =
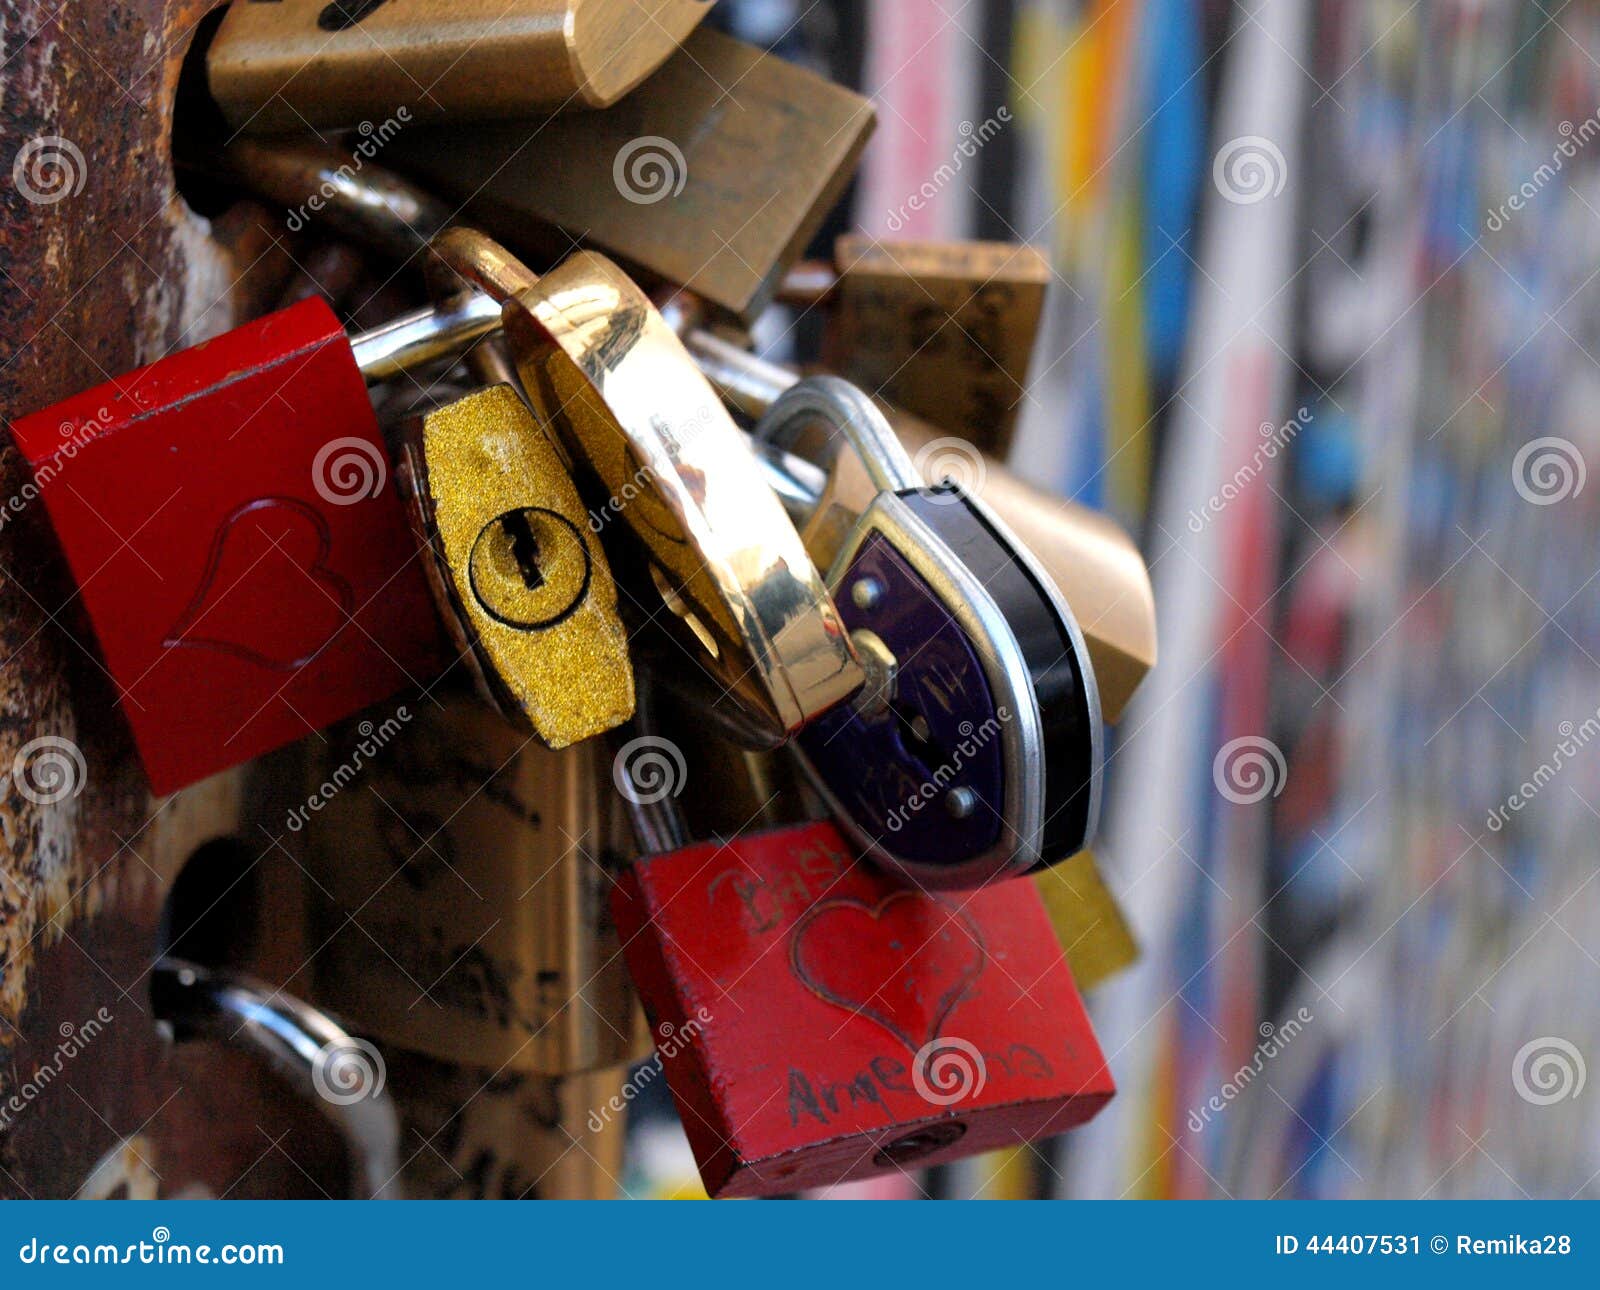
column 1050, row 652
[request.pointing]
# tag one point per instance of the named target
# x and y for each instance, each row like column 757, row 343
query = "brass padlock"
column 748, row 610
column 462, row 871
column 534, row 606
column 942, row 330
column 713, row 174
column 293, row 64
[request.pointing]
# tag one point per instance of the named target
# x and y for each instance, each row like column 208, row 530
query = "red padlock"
column 820, row 1024
column 228, row 516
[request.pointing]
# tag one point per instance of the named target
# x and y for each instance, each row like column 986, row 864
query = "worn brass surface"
column 1090, row 925
column 284, row 66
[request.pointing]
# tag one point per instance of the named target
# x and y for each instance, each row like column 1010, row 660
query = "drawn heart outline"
column 177, row 635
column 947, row 1001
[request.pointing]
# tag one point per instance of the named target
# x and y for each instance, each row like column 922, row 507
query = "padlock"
column 291, row 65
column 1093, row 563
column 226, row 513
column 510, row 552
column 460, row 877
column 713, row 174
column 819, row 1023
column 973, row 751
column 943, row 330
column 749, row 612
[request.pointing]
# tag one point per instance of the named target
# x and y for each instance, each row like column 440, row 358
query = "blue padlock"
column 973, row 752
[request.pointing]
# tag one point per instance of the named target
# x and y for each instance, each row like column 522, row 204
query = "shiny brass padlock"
column 942, row 330
column 713, row 174
column 464, row 869
column 293, row 64
column 748, row 609
column 535, row 606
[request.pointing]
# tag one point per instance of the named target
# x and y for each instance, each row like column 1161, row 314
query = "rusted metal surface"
column 103, row 268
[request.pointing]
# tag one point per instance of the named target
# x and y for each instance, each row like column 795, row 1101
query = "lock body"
column 464, row 870
column 237, row 543
column 944, row 330
column 825, row 1024
column 290, row 64
column 687, row 180
column 511, row 552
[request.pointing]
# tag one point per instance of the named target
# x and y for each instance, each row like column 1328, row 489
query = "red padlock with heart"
column 229, row 515
column 820, row 1024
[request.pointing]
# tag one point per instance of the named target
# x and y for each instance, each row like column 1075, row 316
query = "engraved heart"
column 254, row 588
column 904, row 963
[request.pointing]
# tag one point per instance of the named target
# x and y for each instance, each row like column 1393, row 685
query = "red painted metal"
column 237, row 542
column 819, row 1024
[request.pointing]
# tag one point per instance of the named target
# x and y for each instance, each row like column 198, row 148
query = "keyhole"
column 524, row 548
column 919, row 738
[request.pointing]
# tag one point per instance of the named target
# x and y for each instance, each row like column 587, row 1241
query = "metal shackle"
column 849, row 411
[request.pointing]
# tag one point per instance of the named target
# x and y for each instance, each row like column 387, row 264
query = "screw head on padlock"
column 974, row 752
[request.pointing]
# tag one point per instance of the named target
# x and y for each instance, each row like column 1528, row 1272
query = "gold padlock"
column 749, row 612
column 294, row 64
column 713, row 174
column 941, row 330
column 460, row 872
column 534, row 604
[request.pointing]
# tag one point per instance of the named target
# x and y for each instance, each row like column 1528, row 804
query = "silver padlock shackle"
column 301, row 1044
column 848, row 410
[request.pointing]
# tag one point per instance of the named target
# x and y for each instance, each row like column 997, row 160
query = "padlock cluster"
column 804, row 731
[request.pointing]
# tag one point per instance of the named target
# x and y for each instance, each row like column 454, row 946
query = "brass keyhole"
column 530, row 568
